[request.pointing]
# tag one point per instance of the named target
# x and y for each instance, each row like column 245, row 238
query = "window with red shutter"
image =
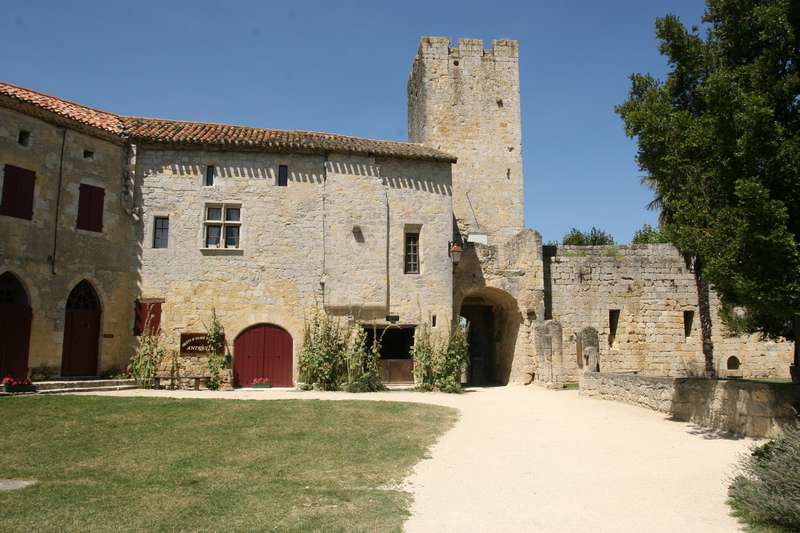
column 17, row 200
column 145, row 311
column 90, row 207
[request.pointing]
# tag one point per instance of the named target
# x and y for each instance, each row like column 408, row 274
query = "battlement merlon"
column 432, row 47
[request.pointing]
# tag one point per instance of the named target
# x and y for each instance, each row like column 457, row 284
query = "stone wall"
column 50, row 256
column 333, row 237
column 652, row 288
column 754, row 409
column 465, row 101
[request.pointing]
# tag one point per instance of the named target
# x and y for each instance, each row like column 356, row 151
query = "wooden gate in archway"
column 15, row 327
column 263, row 351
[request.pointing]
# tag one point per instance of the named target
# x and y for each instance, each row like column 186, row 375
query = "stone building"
column 108, row 221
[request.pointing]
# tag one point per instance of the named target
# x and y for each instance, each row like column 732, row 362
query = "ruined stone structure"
column 107, row 221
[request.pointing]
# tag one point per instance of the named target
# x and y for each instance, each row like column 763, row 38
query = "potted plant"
column 11, row 384
column 261, row 383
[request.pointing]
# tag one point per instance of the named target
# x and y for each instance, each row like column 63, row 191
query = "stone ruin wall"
column 651, row 287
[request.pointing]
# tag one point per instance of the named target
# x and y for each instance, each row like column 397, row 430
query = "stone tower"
column 465, row 101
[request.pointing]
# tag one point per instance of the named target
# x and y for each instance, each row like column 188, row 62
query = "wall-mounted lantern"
column 455, row 252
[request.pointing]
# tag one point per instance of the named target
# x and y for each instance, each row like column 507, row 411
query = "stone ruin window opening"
column 433, row 321
column 688, row 322
column 733, row 363
column 210, row 171
column 88, row 155
column 222, row 232
column 613, row 324
column 283, row 175
column 24, row 138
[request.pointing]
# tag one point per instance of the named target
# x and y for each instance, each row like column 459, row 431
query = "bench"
column 198, row 380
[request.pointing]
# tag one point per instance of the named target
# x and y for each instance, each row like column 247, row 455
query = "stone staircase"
column 83, row 385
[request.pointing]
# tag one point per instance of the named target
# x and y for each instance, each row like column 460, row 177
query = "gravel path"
column 528, row 459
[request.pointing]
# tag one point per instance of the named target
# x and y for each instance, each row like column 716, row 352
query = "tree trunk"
column 704, row 305
column 795, row 368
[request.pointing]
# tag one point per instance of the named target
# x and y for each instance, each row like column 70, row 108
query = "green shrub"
column 451, row 362
column 424, row 353
column 438, row 365
column 767, row 491
column 215, row 339
column 147, row 357
column 336, row 356
column 363, row 369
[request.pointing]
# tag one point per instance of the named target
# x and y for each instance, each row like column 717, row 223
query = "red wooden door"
column 263, row 351
column 15, row 336
column 81, row 338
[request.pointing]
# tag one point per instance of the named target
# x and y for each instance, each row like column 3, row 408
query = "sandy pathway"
column 528, row 459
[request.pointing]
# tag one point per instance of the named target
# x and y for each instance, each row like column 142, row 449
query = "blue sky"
column 342, row 67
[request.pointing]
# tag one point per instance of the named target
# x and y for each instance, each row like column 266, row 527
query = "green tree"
column 647, row 234
column 719, row 141
column 593, row 237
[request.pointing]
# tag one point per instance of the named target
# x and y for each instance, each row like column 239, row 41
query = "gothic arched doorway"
column 81, row 332
column 15, row 327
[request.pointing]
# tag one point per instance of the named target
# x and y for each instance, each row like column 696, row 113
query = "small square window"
column 210, row 171
column 88, row 154
column 231, row 236
column 283, row 175
column 214, row 213
column 213, row 232
column 24, row 138
column 161, row 232
column 232, row 214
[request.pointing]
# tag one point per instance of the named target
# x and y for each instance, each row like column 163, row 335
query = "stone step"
column 88, row 389
column 42, row 386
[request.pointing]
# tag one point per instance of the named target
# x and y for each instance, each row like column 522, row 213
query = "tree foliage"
column 647, row 234
column 593, row 237
column 719, row 141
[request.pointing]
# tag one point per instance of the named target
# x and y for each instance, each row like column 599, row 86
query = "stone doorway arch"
column 493, row 320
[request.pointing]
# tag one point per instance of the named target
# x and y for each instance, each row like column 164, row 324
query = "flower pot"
column 261, row 385
column 19, row 388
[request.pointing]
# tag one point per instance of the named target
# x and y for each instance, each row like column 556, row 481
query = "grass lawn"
column 146, row 464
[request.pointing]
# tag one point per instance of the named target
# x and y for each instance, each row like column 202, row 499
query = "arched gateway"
column 263, row 351
column 15, row 327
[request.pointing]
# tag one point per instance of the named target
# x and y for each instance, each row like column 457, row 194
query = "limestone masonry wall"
column 754, row 409
column 105, row 259
column 334, row 237
column 465, row 101
column 652, row 289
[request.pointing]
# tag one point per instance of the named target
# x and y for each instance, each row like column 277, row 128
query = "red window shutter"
column 18, row 186
column 90, row 207
column 143, row 310
column 155, row 317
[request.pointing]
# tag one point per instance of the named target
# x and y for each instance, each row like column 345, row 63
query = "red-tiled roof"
column 79, row 113
column 217, row 135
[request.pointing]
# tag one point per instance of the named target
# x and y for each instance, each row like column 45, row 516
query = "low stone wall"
column 754, row 409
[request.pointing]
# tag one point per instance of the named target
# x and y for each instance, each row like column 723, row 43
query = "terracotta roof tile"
column 79, row 113
column 218, row 135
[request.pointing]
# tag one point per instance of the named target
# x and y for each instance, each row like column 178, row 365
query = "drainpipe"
column 58, row 201
column 324, row 193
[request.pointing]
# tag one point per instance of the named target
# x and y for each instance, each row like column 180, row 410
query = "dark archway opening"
column 81, row 332
column 15, row 327
column 493, row 321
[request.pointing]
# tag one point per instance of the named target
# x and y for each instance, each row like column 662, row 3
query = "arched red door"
column 263, row 351
column 15, row 327
column 81, row 332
